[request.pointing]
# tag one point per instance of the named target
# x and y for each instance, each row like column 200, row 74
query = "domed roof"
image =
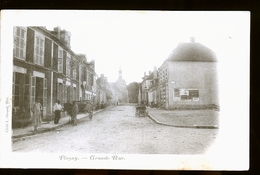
column 192, row 52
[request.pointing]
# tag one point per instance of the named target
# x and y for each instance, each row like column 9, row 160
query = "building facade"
column 149, row 87
column 188, row 78
column 45, row 68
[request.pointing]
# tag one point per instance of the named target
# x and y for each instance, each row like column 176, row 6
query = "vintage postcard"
column 140, row 90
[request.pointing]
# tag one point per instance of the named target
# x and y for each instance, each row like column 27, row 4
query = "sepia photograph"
column 99, row 89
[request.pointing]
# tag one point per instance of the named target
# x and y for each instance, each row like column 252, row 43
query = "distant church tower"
column 120, row 72
column 121, row 87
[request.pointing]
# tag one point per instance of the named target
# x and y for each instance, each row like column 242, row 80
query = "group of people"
column 72, row 111
column 36, row 113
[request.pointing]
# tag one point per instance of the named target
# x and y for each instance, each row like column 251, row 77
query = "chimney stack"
column 57, row 31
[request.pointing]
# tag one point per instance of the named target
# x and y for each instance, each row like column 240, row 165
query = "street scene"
column 157, row 89
column 116, row 130
column 67, row 101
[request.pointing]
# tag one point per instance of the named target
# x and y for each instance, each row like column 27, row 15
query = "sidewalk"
column 18, row 133
column 203, row 118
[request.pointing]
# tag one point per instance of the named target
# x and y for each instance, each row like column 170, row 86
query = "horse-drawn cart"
column 141, row 111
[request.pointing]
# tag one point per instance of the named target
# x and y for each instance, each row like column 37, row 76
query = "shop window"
column 19, row 42
column 18, row 83
column 60, row 91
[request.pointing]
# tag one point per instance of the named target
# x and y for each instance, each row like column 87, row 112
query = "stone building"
column 188, row 77
column 45, row 68
column 149, row 87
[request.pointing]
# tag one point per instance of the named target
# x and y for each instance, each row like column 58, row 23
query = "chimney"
column 144, row 74
column 57, row 32
column 65, row 37
column 150, row 72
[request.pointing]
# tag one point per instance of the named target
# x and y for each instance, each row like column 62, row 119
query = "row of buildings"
column 186, row 79
column 45, row 68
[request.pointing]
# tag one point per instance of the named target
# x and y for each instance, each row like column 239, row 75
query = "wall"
column 194, row 75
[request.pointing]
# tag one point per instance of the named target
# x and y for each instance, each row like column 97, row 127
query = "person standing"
column 57, row 109
column 89, row 109
column 68, row 109
column 74, row 112
column 36, row 110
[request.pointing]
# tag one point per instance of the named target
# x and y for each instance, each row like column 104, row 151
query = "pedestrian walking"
column 102, row 104
column 36, row 109
column 74, row 112
column 57, row 109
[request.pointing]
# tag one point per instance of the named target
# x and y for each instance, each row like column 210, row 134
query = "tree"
column 133, row 91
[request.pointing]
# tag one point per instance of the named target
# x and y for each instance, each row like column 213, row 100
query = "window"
column 18, row 82
column 176, row 92
column 74, row 73
column 19, row 42
column 89, row 79
column 60, row 60
column 82, row 70
column 68, row 65
column 39, row 50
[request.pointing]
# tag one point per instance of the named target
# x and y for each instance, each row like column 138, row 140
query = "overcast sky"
column 137, row 41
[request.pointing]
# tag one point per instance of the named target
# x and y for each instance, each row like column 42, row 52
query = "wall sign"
column 186, row 94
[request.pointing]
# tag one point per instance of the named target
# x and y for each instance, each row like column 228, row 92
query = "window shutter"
column 35, row 49
column 33, row 83
column 58, row 91
column 14, row 46
column 65, row 93
column 44, row 103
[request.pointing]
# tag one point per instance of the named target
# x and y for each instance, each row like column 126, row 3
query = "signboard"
column 186, row 94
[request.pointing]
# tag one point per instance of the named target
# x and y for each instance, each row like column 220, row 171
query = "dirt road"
column 118, row 131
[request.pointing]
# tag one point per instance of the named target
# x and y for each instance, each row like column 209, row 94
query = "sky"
column 137, row 41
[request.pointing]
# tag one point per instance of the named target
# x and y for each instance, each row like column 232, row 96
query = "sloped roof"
column 120, row 79
column 192, row 52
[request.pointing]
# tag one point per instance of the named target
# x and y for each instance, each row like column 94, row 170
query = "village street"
column 117, row 131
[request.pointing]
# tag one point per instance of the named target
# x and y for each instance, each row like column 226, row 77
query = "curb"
column 28, row 135
column 182, row 126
